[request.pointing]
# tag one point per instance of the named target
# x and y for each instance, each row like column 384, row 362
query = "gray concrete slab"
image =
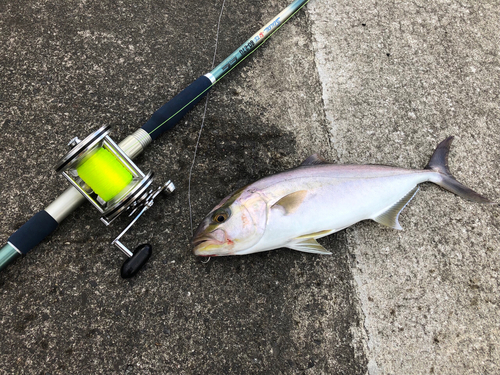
column 398, row 77
column 360, row 82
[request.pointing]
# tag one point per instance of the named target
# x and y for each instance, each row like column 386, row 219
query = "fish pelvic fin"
column 439, row 163
column 307, row 245
column 390, row 216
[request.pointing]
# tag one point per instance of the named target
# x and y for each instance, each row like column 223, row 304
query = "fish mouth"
column 202, row 244
column 196, row 242
column 201, row 248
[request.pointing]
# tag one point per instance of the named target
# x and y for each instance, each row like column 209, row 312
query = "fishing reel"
column 104, row 174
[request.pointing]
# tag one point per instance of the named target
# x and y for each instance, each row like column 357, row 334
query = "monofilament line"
column 202, row 123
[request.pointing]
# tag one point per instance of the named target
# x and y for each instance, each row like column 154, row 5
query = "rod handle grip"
column 33, row 232
column 171, row 112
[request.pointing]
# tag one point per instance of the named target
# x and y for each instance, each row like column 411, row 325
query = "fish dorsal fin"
column 390, row 216
column 291, row 202
column 309, row 245
column 314, row 159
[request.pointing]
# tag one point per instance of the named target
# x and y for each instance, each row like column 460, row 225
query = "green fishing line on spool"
column 104, row 174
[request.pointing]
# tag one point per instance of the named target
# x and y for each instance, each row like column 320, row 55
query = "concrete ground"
column 357, row 81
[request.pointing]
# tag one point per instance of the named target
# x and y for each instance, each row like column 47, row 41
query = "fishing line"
column 228, row 71
column 105, row 175
column 93, row 166
column 202, row 123
column 208, row 88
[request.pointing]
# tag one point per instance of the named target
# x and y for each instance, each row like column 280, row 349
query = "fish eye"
column 220, row 217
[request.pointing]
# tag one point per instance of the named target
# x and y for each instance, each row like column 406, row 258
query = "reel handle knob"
column 133, row 264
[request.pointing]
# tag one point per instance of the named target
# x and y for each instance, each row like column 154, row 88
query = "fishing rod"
column 103, row 172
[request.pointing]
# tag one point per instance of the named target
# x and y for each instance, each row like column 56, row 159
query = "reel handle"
column 133, row 264
column 142, row 253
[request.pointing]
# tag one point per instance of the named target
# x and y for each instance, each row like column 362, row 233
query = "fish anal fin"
column 309, row 245
column 390, row 216
column 291, row 202
column 314, row 159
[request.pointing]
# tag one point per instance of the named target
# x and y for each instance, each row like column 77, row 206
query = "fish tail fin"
column 439, row 163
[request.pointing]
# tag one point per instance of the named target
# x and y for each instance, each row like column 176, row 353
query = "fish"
column 292, row 209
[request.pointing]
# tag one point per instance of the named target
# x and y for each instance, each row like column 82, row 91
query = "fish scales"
column 336, row 198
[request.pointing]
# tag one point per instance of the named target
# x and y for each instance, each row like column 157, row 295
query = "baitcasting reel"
column 104, row 174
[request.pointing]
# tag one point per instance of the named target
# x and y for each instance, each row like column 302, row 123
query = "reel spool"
column 102, row 172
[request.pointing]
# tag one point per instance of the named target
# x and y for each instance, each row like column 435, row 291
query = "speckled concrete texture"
column 357, row 81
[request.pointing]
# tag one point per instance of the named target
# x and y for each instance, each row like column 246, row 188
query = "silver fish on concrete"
column 294, row 208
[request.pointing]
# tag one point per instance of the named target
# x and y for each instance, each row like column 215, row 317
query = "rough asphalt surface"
column 358, row 81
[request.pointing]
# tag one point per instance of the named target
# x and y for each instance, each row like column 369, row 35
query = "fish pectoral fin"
column 391, row 215
column 291, row 202
column 309, row 245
